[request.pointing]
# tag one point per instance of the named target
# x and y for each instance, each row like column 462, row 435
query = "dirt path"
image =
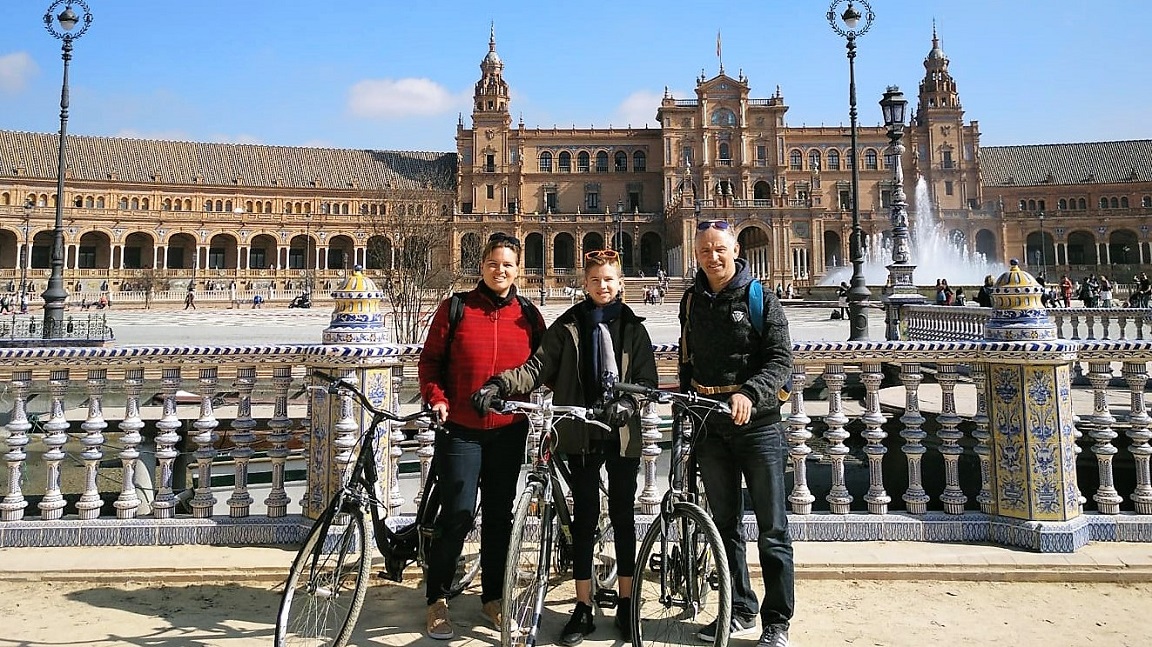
column 831, row 613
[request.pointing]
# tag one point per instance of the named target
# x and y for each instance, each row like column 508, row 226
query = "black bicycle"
column 682, row 579
column 541, row 530
column 329, row 578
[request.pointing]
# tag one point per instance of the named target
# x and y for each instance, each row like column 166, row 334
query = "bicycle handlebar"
column 335, row 385
column 661, row 396
column 583, row 414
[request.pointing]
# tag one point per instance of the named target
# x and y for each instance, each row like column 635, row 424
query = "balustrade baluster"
column 280, row 433
column 877, row 497
column 983, row 449
column 395, row 431
column 839, row 500
column 799, row 434
column 1075, row 325
column 650, row 451
column 1136, row 374
column 1140, row 327
column 915, row 498
column 243, row 436
column 88, row 507
column 205, row 439
column 1059, row 317
column 426, row 449
column 128, row 502
column 14, row 503
column 949, row 434
column 55, row 435
column 1090, row 324
column 1122, row 322
column 1100, row 429
column 168, row 424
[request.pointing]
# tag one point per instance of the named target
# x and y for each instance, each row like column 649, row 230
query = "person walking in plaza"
column 1066, row 290
column 594, row 344
column 190, row 299
column 1105, row 292
column 984, row 295
column 495, row 330
column 722, row 355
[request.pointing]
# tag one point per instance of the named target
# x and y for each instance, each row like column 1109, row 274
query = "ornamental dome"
column 1018, row 313
column 356, row 317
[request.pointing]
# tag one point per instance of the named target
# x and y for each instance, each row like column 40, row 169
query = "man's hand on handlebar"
column 741, row 408
column 484, row 397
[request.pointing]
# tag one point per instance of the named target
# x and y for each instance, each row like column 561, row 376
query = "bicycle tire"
column 682, row 581
column 327, row 583
column 526, row 570
column 468, row 564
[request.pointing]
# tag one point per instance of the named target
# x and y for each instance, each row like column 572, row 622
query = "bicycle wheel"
column 526, row 572
column 327, row 584
column 468, row 564
column 682, row 580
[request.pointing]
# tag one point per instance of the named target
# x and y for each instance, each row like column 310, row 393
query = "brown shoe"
column 493, row 613
column 438, row 626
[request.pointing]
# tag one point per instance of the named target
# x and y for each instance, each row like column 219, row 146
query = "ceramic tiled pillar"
column 335, row 421
column 1032, row 444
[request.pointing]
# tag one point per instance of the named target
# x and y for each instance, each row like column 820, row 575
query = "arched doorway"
column 987, row 247
column 756, row 248
column 651, row 253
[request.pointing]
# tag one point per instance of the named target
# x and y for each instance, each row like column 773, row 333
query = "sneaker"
column 579, row 626
column 493, row 612
column 438, row 625
column 774, row 636
column 624, row 618
column 740, row 627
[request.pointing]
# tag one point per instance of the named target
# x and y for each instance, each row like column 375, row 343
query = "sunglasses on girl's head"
column 713, row 224
column 606, row 254
column 501, row 237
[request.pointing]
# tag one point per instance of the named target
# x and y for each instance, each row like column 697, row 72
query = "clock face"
column 723, row 86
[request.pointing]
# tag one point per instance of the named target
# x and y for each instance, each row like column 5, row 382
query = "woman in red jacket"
column 494, row 333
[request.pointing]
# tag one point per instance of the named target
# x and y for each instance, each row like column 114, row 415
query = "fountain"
column 933, row 253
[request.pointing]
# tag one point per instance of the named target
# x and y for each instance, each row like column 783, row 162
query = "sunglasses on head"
column 606, row 254
column 501, row 237
column 722, row 225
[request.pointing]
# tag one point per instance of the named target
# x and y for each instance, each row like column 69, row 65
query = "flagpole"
column 719, row 51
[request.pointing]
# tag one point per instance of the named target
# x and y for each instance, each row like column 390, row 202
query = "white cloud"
column 15, row 70
column 389, row 98
column 160, row 135
column 236, row 139
column 639, row 109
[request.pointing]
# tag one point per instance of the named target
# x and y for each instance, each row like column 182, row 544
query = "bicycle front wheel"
column 682, row 582
column 326, row 586
column 604, row 550
column 526, row 571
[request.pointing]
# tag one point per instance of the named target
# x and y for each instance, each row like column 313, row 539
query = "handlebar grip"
column 496, row 405
column 637, row 389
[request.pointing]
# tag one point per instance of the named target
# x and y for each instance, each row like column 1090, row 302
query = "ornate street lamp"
column 903, row 289
column 858, row 292
column 618, row 245
column 1043, row 258
column 56, row 295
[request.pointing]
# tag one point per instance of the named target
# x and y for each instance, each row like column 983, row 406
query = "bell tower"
column 487, row 152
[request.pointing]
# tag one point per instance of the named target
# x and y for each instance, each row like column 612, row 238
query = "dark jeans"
column 725, row 454
column 585, row 486
column 467, row 460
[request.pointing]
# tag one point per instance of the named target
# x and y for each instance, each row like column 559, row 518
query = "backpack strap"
column 533, row 315
column 686, row 315
column 455, row 314
column 756, row 305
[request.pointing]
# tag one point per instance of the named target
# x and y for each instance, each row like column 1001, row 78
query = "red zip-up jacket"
column 493, row 335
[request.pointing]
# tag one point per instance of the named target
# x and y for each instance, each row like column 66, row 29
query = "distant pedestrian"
column 984, row 296
column 258, row 302
column 1105, row 292
column 190, row 299
column 842, row 300
column 1066, row 290
column 233, row 298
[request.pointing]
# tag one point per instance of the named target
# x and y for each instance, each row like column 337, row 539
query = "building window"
column 1062, row 204
column 602, row 162
column 889, row 161
column 565, row 162
column 216, row 258
column 725, row 154
column 592, row 200
column 491, row 191
column 582, row 162
column 1124, row 202
column 870, row 160
column 1147, row 201
column 886, row 198
column 545, row 162
column 948, row 163
column 761, row 155
column 845, row 200
column 550, row 200
column 795, row 160
column 1103, row 203
column 465, row 207
column 723, row 117
column 947, row 187
column 850, row 159
column 639, row 162
column 814, row 160
column 621, row 160
column 490, row 163
column 833, row 160
column 1082, row 203
column 86, row 258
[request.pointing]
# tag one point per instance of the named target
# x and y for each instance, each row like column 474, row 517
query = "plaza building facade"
column 162, row 214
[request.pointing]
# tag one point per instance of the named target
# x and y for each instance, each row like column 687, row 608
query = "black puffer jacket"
column 723, row 348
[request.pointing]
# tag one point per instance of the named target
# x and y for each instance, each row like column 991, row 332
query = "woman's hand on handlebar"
column 440, row 412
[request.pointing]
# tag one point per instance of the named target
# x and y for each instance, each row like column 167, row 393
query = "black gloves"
column 483, row 397
column 619, row 410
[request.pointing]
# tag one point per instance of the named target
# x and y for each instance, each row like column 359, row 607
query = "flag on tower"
column 718, row 55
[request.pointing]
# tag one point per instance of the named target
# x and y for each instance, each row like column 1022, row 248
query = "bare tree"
column 410, row 253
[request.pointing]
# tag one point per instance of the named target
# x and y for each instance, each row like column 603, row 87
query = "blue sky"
column 392, row 75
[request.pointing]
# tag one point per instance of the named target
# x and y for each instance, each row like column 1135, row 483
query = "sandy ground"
column 888, row 613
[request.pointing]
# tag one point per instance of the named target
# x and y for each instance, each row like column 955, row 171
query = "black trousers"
column 585, row 486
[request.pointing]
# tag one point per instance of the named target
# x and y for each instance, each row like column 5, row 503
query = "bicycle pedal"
column 656, row 563
column 606, row 598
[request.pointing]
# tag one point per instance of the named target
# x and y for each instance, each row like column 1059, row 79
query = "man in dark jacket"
column 724, row 357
